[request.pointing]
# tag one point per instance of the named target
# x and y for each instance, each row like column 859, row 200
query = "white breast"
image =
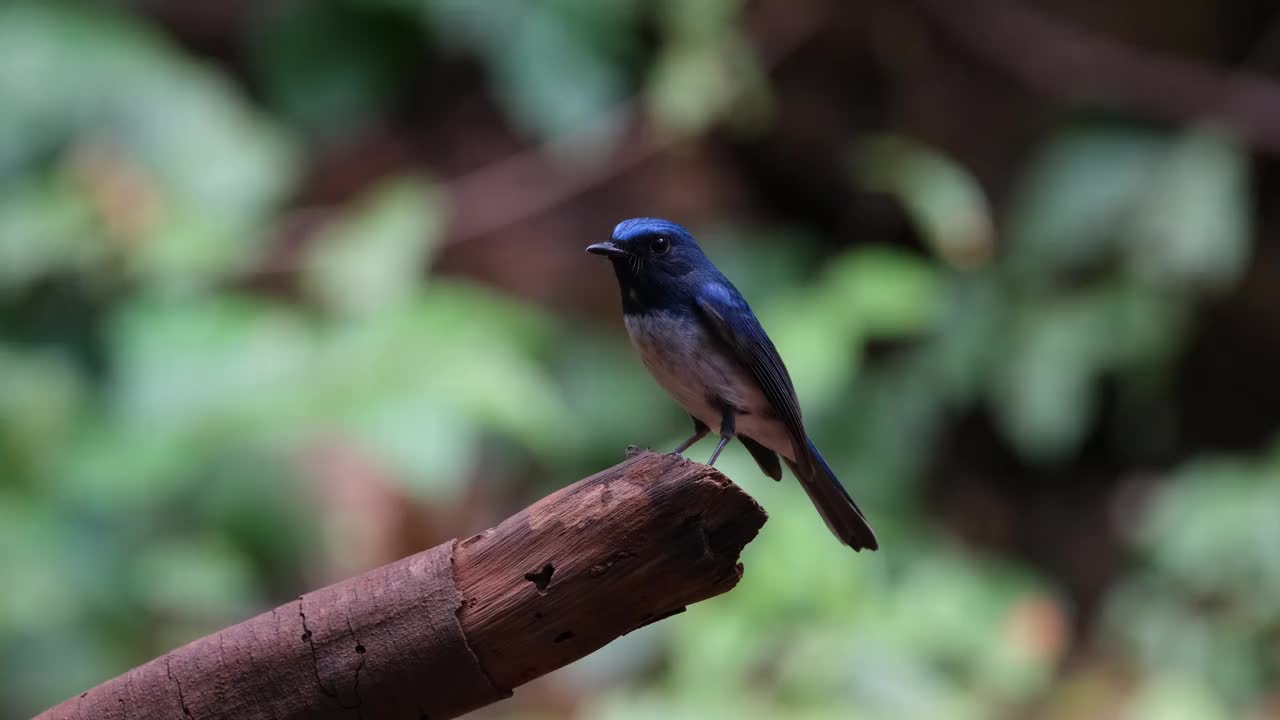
column 690, row 367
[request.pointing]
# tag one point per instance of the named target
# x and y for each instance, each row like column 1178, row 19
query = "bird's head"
column 650, row 248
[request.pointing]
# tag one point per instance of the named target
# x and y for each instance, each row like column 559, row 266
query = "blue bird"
column 699, row 339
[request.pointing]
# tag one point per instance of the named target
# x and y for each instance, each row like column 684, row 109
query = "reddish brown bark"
column 457, row 626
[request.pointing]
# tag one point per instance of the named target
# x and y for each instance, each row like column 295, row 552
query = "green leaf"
column 885, row 293
column 1072, row 200
column 463, row 24
column 375, row 254
column 706, row 71
column 1192, row 223
column 1043, row 392
column 193, row 380
column 422, row 381
column 1174, row 697
column 818, row 342
column 762, row 259
column 46, row 227
column 179, row 170
column 40, row 401
column 598, row 376
column 966, row 345
column 34, row 570
column 869, row 293
column 330, row 67
column 119, row 470
column 551, row 80
column 943, row 199
column 698, row 82
column 1210, row 531
column 1202, row 603
column 557, row 67
column 203, row 580
column 208, row 366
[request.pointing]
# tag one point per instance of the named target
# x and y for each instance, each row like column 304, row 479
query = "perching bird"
column 704, row 346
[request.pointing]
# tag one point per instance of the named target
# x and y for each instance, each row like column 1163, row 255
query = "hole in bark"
column 566, row 635
column 360, row 649
column 306, row 636
column 542, row 578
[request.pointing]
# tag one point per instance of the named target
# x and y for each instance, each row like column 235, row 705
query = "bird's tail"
column 835, row 506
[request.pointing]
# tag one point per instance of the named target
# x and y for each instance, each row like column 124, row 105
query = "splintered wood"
column 618, row 550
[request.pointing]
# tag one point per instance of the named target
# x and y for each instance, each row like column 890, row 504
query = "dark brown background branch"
column 1068, row 63
column 499, row 195
column 456, row 627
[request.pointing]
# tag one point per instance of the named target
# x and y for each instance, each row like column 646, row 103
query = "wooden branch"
column 1070, row 63
column 458, row 626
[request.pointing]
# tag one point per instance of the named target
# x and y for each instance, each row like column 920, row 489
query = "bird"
column 699, row 339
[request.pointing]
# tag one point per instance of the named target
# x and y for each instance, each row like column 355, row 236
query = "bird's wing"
column 732, row 321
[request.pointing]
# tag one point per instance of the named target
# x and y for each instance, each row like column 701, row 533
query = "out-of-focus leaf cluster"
column 1200, row 608
column 152, row 415
column 1112, row 240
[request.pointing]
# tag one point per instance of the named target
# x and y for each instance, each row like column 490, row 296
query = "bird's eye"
column 661, row 245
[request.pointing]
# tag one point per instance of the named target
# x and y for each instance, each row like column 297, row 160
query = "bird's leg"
column 726, row 430
column 700, row 431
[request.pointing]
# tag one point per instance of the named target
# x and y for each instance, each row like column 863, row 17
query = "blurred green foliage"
column 1202, row 604
column 157, row 411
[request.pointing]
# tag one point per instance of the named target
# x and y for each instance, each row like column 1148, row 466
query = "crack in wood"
column 355, row 688
column 168, row 669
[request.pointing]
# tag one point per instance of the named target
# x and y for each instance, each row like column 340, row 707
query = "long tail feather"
column 841, row 513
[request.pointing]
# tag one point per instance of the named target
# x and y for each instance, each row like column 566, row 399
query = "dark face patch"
column 656, row 274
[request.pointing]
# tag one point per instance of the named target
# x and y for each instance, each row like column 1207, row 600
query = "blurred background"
column 289, row 290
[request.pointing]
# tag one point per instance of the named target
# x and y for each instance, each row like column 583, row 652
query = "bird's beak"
column 607, row 249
